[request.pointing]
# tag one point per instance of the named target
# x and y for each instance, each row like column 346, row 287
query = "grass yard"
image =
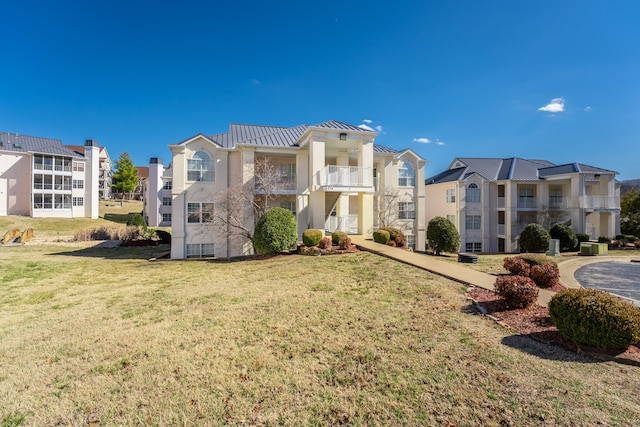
column 105, row 337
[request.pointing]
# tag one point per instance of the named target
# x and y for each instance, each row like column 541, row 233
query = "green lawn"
column 105, row 337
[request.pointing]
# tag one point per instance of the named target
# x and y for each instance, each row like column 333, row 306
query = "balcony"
column 556, row 202
column 502, row 229
column 600, row 203
column 527, row 203
column 346, row 178
column 501, row 203
column 348, row 223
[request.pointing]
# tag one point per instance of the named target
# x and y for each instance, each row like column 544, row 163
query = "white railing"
column 527, row 202
column 599, row 202
column 502, row 229
column 556, row 202
column 501, row 203
column 347, row 176
column 347, row 223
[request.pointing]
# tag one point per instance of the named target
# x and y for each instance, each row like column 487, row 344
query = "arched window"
column 200, row 167
column 473, row 193
column 406, row 175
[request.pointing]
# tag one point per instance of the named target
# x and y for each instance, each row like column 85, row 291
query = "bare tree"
column 548, row 217
column 388, row 209
column 239, row 207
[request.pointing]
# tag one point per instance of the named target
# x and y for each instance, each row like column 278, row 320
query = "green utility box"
column 590, row 248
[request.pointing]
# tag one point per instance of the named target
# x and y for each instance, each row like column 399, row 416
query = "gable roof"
column 34, row 144
column 514, row 168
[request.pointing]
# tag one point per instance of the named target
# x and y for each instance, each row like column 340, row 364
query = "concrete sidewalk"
column 457, row 272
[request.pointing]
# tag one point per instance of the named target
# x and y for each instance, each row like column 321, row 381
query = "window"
column 411, row 241
column 473, row 222
column 199, row 212
column 288, row 174
column 166, row 201
column 78, row 166
column 200, row 250
column 407, row 210
column 473, row 247
column 78, row 183
column 451, row 195
column 289, row 205
column 526, row 198
column 62, row 182
column 452, row 218
column 78, row 201
column 200, row 168
column 166, row 217
column 406, row 175
column 62, row 201
column 473, row 193
column 555, row 197
column 167, row 185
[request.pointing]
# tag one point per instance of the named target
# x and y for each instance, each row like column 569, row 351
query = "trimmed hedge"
column 276, row 231
column 582, row 238
column 325, row 243
column 516, row 266
column 396, row 235
column 344, row 243
column 516, row 291
column 534, row 238
column 381, row 236
column 545, row 276
column 567, row 237
column 442, row 235
column 595, row 318
column 164, row 236
column 336, row 236
column 311, row 237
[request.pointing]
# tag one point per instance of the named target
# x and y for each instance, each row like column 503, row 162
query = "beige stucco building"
column 332, row 176
column 491, row 200
column 39, row 177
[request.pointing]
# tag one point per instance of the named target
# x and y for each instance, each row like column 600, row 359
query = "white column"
column 316, row 169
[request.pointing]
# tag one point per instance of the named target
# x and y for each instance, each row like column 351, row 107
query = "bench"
column 467, row 258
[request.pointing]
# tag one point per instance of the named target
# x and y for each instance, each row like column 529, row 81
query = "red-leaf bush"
column 516, row 291
column 344, row 243
column 545, row 276
column 516, row 266
column 325, row 243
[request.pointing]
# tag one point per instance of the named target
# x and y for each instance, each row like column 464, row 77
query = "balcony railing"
column 348, row 223
column 501, row 203
column 347, row 176
column 527, row 203
column 502, row 229
column 556, row 202
column 599, row 202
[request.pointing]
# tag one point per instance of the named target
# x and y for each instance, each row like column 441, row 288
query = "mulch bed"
column 536, row 323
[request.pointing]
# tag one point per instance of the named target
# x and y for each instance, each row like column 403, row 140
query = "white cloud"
column 255, row 81
column 422, row 140
column 587, row 109
column 367, row 121
column 439, row 142
column 555, row 106
column 379, row 128
column 365, row 127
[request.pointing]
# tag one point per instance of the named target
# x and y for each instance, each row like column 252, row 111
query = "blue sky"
column 558, row 80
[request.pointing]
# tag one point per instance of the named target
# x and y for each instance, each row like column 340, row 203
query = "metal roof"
column 514, row 168
column 34, row 144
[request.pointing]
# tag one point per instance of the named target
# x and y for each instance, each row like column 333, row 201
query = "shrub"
column 337, row 235
column 137, row 220
column 567, row 237
column 595, row 318
column 275, row 232
column 325, row 243
column 396, row 235
column 391, row 243
column 604, row 239
column 534, row 238
column 516, row 266
column 620, row 236
column 516, row 291
column 345, row 243
column 381, row 236
column 630, row 238
column 545, row 276
column 110, row 233
column 442, row 235
column 164, row 236
column 311, row 237
column 582, row 238
column 537, row 259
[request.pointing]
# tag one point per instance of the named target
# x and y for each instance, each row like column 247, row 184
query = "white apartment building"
column 335, row 178
column 105, row 174
column 491, row 200
column 39, row 177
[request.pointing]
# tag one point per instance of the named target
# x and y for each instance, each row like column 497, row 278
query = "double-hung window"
column 473, row 222
column 406, row 175
column 407, row 210
column 473, row 193
column 199, row 212
column 451, row 195
column 200, row 168
column 166, row 201
column 200, row 250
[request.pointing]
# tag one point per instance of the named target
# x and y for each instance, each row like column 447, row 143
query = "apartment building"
column 39, row 177
column 331, row 176
column 491, row 200
column 104, row 173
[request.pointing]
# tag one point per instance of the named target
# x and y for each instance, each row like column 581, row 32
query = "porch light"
column 343, row 137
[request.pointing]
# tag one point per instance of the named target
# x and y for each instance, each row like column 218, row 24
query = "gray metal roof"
column 514, row 168
column 34, row 144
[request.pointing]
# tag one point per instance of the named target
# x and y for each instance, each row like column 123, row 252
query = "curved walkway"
column 452, row 271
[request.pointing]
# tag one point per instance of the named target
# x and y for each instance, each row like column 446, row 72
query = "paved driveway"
column 617, row 277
